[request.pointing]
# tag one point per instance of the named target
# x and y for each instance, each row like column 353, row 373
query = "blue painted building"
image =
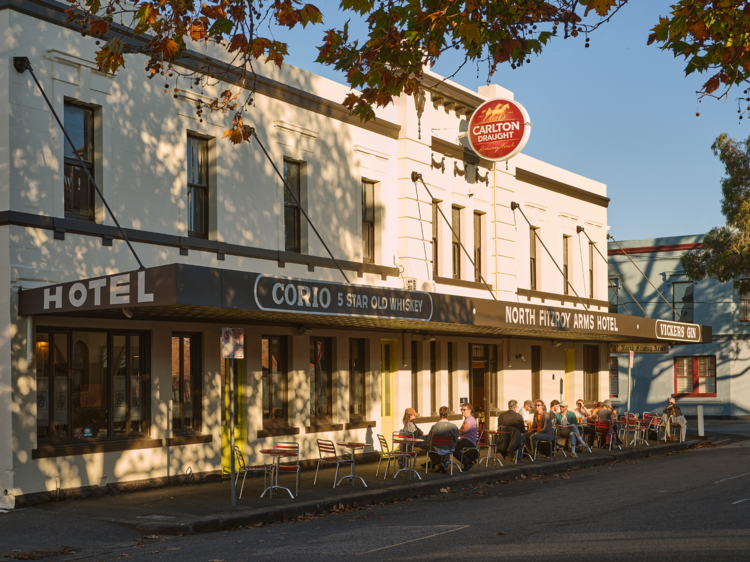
column 715, row 375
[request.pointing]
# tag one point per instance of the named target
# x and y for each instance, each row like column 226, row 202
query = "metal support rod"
column 232, row 371
column 416, row 176
column 622, row 303
column 22, row 64
column 644, row 276
column 513, row 207
column 580, row 229
column 296, row 201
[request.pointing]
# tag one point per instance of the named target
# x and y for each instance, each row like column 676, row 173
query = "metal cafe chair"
column 386, row 453
column 327, row 452
column 487, row 441
column 605, row 431
column 292, row 465
column 474, row 448
column 244, row 469
column 441, row 442
column 505, row 437
column 553, row 447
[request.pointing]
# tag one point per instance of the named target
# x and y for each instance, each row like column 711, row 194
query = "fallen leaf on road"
column 523, row 477
column 381, row 518
column 444, row 490
column 152, row 537
column 175, row 548
column 500, row 533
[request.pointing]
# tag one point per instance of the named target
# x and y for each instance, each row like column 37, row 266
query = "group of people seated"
column 464, row 439
column 532, row 424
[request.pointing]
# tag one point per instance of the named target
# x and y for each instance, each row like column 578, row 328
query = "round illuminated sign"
column 499, row 129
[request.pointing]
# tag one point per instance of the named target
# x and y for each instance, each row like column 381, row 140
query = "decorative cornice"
column 562, row 188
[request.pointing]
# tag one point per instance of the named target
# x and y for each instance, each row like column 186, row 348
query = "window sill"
column 194, row 439
column 324, row 428
column 697, row 399
column 429, row 419
column 460, row 283
column 48, row 451
column 359, row 424
column 277, row 432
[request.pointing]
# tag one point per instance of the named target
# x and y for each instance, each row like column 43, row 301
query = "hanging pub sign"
column 499, row 129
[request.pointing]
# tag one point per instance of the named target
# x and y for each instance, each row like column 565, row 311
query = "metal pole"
column 232, row 370
column 22, row 64
column 701, row 430
column 627, row 414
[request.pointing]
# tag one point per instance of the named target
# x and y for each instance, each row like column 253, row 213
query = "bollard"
column 700, row 421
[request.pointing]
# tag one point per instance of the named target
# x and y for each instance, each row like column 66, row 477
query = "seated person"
column 673, row 415
column 439, row 458
column 543, row 425
column 526, row 413
column 581, row 411
column 608, row 414
column 554, row 408
column 566, row 422
column 410, row 414
column 513, row 419
column 467, row 438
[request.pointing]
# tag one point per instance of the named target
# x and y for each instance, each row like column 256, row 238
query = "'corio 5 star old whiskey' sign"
column 499, row 129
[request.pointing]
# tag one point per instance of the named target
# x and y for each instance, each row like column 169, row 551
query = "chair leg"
column 379, row 461
column 316, row 474
column 243, row 483
column 298, row 471
column 336, row 478
column 387, row 466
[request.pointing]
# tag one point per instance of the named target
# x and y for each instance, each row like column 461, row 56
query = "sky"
column 619, row 112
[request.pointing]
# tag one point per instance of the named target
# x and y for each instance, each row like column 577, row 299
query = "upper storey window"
column 79, row 191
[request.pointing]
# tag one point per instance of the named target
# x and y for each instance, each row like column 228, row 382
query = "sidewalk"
column 200, row 508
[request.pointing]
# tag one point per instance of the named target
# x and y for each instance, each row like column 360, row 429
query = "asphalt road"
column 684, row 506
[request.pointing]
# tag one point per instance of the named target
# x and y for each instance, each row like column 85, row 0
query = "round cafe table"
column 353, row 447
column 277, row 453
column 409, row 442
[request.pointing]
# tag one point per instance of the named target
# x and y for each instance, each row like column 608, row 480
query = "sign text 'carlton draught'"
column 499, row 129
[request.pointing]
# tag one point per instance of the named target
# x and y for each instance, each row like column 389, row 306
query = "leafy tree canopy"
column 726, row 250
column 402, row 37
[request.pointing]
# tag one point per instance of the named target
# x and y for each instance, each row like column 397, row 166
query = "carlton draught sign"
column 499, row 129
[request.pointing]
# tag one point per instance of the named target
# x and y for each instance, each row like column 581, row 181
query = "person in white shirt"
column 526, row 412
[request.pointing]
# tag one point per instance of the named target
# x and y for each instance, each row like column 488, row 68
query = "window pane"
column 368, row 252
column 291, row 229
column 385, row 370
column 414, row 376
column 176, row 406
column 433, row 379
column 274, row 378
column 614, row 379
column 60, row 386
column 368, row 201
column 197, row 161
column 79, row 200
column 357, row 378
column 187, row 388
column 43, row 406
column 78, row 123
column 291, row 177
column 683, row 301
column 119, row 349
column 197, row 221
column 89, row 377
column 435, row 246
column 706, row 375
column 136, row 386
column 477, row 247
column 456, row 223
column 320, row 378
column 684, row 375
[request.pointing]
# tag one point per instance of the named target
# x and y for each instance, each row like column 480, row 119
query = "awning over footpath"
column 190, row 293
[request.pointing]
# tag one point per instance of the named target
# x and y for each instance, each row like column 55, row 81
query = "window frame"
column 291, row 205
column 196, row 386
column 614, row 376
column 362, row 416
column 322, row 419
column 283, row 421
column 456, row 241
column 478, row 218
column 683, row 304
column 533, row 260
column 193, row 187
column 88, row 164
column 696, row 376
column 368, row 224
column 53, row 437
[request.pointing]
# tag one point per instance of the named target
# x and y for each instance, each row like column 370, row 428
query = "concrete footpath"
column 201, row 508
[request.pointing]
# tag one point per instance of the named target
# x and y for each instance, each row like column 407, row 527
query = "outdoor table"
column 409, row 442
column 353, row 447
column 492, row 449
column 278, row 453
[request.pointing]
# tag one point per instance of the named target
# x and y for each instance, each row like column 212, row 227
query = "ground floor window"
column 614, row 377
column 357, row 379
column 695, row 376
column 275, row 376
column 321, row 381
column 187, row 378
column 92, row 384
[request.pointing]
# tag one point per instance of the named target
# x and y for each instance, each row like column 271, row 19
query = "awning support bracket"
column 22, row 64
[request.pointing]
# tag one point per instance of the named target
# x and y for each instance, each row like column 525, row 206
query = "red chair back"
column 400, row 436
column 293, row 450
column 482, row 440
column 603, row 427
column 383, row 444
column 326, row 448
